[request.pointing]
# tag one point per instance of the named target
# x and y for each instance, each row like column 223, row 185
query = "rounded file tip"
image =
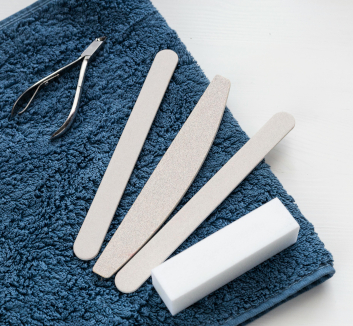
column 286, row 117
column 82, row 253
column 103, row 272
column 124, row 284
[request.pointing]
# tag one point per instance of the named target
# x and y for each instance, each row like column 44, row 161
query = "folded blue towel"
column 47, row 187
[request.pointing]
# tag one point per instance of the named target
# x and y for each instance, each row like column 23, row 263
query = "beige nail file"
column 96, row 224
column 206, row 200
column 169, row 181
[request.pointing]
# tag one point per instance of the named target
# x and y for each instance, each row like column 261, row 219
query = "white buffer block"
column 220, row 258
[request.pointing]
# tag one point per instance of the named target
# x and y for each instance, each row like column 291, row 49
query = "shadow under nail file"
column 169, row 181
column 204, row 202
column 96, row 224
column 225, row 255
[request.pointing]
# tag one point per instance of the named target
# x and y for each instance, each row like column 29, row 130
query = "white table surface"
column 294, row 56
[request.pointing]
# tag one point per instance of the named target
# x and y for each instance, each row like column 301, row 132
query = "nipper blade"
column 93, row 47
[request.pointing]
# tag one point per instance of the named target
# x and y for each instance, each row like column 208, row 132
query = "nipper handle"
column 66, row 125
column 44, row 81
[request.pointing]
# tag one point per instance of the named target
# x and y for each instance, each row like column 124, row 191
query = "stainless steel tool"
column 85, row 58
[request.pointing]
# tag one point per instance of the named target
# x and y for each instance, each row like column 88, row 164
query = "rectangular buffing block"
column 220, row 258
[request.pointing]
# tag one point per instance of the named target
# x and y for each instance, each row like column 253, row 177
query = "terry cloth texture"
column 47, row 187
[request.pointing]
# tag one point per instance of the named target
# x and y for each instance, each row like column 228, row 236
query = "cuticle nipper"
column 85, row 57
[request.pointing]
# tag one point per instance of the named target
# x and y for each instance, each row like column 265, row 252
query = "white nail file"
column 169, row 181
column 205, row 201
column 96, row 224
column 225, row 255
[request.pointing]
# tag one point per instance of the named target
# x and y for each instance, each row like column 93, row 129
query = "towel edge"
column 12, row 19
column 307, row 283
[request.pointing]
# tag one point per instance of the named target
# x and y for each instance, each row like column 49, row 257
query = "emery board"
column 96, row 224
column 204, row 202
column 169, row 181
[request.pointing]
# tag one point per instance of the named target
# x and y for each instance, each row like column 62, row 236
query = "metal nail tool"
column 96, row 224
column 85, row 58
column 205, row 201
column 169, row 181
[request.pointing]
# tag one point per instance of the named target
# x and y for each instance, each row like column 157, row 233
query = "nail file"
column 225, row 255
column 96, row 224
column 205, row 201
column 169, row 181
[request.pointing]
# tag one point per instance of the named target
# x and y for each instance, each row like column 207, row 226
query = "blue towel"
column 47, row 187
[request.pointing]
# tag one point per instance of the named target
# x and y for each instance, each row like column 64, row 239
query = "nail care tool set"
column 140, row 246
column 149, row 179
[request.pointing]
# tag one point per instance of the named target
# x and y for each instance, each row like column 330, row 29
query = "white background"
column 294, row 56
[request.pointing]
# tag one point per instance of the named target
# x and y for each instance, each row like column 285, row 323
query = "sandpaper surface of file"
column 169, row 181
column 204, row 202
column 96, row 224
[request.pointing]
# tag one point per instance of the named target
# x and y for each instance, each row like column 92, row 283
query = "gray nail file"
column 96, row 224
column 169, row 181
column 206, row 200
